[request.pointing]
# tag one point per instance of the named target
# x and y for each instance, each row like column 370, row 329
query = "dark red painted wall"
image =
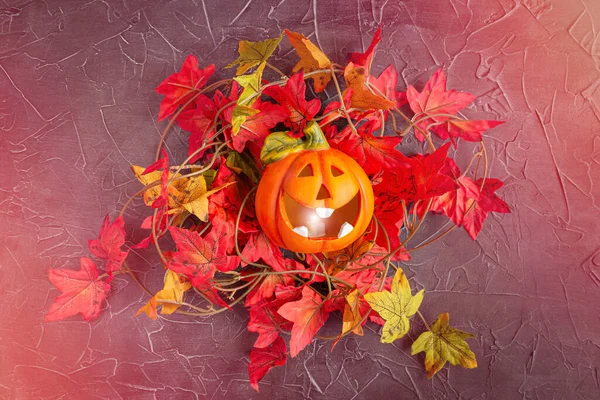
column 77, row 106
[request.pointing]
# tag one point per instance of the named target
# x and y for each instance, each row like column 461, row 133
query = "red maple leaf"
column 313, row 265
column 372, row 153
column 467, row 130
column 289, row 293
column 386, row 84
column 263, row 359
column 259, row 246
column 199, row 258
column 434, row 100
column 365, row 59
column 224, row 177
column 265, row 321
column 224, row 236
column 181, row 86
column 453, row 203
column 488, row 202
column 212, row 295
column 266, row 290
column 421, row 179
column 292, row 97
column 200, row 118
column 224, row 206
column 82, row 292
column 160, row 225
column 308, row 316
column 390, row 214
column 200, row 122
column 334, row 109
column 108, row 245
column 222, row 213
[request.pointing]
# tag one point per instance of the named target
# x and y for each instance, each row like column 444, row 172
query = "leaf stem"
column 343, row 105
column 424, row 321
column 274, row 68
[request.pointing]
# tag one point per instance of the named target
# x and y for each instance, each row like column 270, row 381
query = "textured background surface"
column 77, row 107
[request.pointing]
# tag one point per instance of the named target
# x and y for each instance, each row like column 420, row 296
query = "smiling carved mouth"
column 322, row 223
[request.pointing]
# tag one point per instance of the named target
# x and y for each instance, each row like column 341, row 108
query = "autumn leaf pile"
column 205, row 203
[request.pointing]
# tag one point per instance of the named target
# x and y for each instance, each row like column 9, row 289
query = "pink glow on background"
column 77, row 106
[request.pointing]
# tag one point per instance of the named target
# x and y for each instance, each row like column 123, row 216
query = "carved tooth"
column 345, row 229
column 324, row 212
column 301, row 230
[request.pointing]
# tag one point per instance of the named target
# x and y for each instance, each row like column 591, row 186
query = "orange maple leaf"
column 82, row 292
column 361, row 97
column 172, row 292
column 311, row 59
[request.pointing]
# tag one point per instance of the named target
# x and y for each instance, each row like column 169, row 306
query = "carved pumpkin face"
column 314, row 201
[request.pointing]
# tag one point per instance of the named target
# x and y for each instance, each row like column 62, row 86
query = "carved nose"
column 323, row 193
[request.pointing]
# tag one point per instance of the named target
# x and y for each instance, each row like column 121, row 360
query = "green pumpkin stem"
column 315, row 139
column 279, row 145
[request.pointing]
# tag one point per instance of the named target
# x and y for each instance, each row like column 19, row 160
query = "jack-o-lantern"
column 311, row 198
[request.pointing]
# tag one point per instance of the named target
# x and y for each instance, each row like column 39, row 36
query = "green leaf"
column 209, row 176
column 243, row 163
column 251, row 92
column 443, row 343
column 395, row 307
column 240, row 113
column 251, row 85
column 254, row 53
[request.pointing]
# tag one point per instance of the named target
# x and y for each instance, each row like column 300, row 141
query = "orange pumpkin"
column 312, row 198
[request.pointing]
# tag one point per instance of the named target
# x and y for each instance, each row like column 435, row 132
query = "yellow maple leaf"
column 254, row 53
column 239, row 116
column 443, row 343
column 172, row 291
column 311, row 59
column 251, row 85
column 174, row 188
column 361, row 97
column 250, row 93
column 194, row 197
column 395, row 307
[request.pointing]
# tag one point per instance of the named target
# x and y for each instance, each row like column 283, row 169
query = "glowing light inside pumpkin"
column 324, row 212
column 321, row 222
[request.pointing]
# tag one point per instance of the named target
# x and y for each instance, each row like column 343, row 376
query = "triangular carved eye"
column 335, row 171
column 306, row 171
